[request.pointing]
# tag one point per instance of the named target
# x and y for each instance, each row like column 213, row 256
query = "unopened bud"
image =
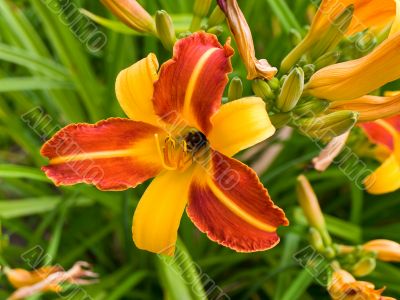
column 310, row 205
column 316, row 239
column 327, row 59
column 274, row 84
column 217, row 30
column 165, row 29
column 216, row 18
column 328, row 126
column 309, row 71
column 281, row 119
column 235, row 89
column 335, row 33
column 132, row 14
column 311, row 108
column 329, row 253
column 295, row 37
column 291, row 91
column 200, row 10
column 385, row 250
column 364, row 267
column 262, row 89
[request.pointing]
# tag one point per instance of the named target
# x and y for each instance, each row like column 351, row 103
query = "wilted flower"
column 244, row 40
column 385, row 250
column 343, row 286
column 180, row 134
column 132, row 14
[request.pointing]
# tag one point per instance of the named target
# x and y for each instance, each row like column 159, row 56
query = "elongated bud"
column 292, row 90
column 328, row 126
column 335, row 33
column 311, row 108
column 200, row 10
column 327, row 59
column 235, row 89
column 262, row 89
column 132, row 14
column 316, row 240
column 274, row 84
column 364, row 267
column 165, row 29
column 216, row 18
column 385, row 250
column 309, row 203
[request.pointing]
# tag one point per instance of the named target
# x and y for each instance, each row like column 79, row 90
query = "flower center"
column 178, row 153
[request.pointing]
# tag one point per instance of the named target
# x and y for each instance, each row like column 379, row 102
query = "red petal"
column 233, row 208
column 191, row 84
column 114, row 154
column 378, row 134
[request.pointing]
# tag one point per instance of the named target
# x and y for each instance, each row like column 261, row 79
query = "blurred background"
column 58, row 67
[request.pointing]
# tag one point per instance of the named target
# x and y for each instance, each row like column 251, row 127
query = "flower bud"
column 385, row 250
column 311, row 108
column 295, row 37
column 316, row 240
column 216, row 18
column 200, row 10
column 292, row 90
column 309, row 71
column 328, row 126
column 217, row 30
column 327, row 59
column 262, row 89
column 274, row 83
column 235, row 89
column 281, row 119
column 335, row 33
column 364, row 267
column 165, row 29
column 310, row 205
column 132, row 14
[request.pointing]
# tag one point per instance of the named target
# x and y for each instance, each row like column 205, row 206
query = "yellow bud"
column 132, row 14
column 200, row 10
column 216, row 18
column 327, row 59
column 364, row 267
column 292, row 90
column 235, row 89
column 385, row 250
column 262, row 89
column 274, row 83
column 311, row 108
column 165, row 29
column 316, row 240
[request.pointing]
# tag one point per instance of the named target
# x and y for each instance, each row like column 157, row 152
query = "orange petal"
column 378, row 134
column 134, row 90
column 192, row 83
column 230, row 205
column 114, row 154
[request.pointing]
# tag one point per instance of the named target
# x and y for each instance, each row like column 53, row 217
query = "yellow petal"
column 134, row 89
column 386, row 178
column 158, row 214
column 396, row 24
column 239, row 125
column 356, row 78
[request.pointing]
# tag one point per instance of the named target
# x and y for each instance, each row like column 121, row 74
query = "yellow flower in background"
column 242, row 34
column 385, row 133
column 385, row 250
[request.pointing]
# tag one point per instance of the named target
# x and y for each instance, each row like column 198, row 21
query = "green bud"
column 217, row 30
column 316, row 239
column 327, row 59
column 311, row 108
column 274, row 84
column 329, row 253
column 165, row 29
column 364, row 267
column 335, row 33
column 309, row 71
column 235, row 89
column 216, row 18
column 262, row 89
column 327, row 126
column 200, row 10
column 281, row 119
column 295, row 37
column 292, row 90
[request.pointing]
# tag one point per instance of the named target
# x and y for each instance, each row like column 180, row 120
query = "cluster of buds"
column 345, row 261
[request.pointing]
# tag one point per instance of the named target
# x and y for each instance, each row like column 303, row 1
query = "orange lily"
column 180, row 134
column 386, row 134
column 343, row 286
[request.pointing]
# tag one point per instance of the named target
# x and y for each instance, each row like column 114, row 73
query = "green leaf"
column 14, row 84
column 15, row 171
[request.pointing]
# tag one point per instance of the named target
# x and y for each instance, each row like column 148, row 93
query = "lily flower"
column 385, row 250
column 371, row 14
column 179, row 133
column 242, row 34
column 385, row 133
column 343, row 286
